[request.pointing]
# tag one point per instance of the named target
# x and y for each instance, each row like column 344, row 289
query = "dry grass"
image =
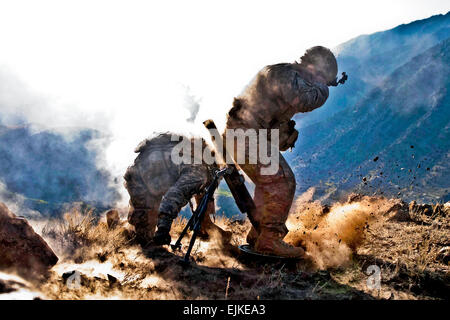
column 407, row 253
column 79, row 233
column 112, row 266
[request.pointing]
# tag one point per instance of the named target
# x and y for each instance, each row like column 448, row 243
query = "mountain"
column 370, row 59
column 394, row 140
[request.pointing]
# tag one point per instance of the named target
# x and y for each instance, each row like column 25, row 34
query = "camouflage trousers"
column 159, row 190
column 274, row 193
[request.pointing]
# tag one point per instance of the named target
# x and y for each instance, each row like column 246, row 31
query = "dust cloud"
column 331, row 234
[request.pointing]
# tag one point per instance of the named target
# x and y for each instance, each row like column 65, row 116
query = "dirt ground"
column 408, row 256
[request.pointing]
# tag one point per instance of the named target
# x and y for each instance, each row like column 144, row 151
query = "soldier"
column 269, row 102
column 159, row 189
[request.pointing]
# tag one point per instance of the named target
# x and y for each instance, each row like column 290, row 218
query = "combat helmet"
column 324, row 62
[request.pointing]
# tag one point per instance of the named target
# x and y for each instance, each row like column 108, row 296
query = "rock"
column 15, row 288
column 68, row 274
column 325, row 209
column 22, row 249
column 355, row 197
column 111, row 279
column 399, row 211
column 112, row 218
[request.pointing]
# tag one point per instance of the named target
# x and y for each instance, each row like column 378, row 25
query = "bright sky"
column 128, row 64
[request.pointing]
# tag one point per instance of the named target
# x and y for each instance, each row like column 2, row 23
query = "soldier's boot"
column 252, row 236
column 143, row 235
column 208, row 228
column 162, row 235
column 139, row 219
column 270, row 241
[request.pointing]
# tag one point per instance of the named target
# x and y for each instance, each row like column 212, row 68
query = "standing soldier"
column 159, row 189
column 275, row 95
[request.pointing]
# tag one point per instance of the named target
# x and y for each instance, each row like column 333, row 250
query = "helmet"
column 323, row 60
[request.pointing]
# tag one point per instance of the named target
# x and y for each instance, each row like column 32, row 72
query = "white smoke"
column 16, row 203
column 170, row 107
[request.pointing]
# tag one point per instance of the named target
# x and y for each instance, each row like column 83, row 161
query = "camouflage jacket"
column 156, row 154
column 274, row 96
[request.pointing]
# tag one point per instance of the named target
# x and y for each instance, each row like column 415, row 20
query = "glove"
column 341, row 81
column 288, row 135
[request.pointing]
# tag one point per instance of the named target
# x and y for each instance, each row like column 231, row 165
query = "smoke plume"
column 55, row 151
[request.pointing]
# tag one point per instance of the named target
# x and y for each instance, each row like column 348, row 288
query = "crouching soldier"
column 159, row 188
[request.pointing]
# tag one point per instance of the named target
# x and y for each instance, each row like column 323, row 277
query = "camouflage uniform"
column 159, row 188
column 269, row 102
